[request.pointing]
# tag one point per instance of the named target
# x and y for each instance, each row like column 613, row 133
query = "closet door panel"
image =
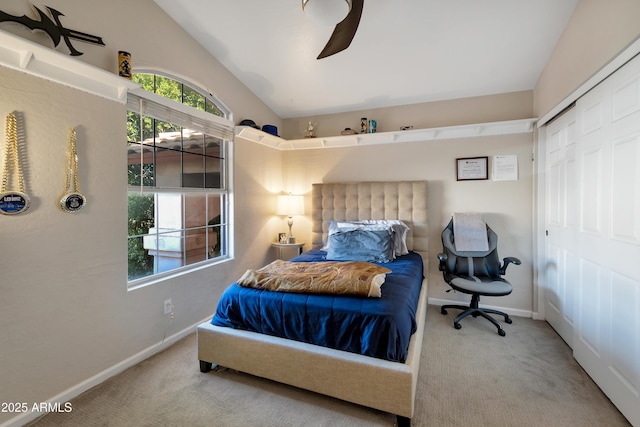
column 607, row 303
column 625, row 302
column 561, row 221
column 625, row 203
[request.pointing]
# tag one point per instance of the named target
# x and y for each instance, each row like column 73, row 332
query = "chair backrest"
column 471, row 263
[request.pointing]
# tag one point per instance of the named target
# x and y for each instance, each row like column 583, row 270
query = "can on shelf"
column 363, row 125
column 124, row 64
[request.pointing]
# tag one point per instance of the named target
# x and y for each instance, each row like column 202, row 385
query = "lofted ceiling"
column 404, row 52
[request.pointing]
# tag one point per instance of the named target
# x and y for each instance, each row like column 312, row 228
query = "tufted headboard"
column 403, row 200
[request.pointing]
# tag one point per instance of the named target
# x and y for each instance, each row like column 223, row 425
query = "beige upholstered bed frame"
column 380, row 384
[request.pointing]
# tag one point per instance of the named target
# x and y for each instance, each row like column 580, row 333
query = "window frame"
column 227, row 114
column 202, row 120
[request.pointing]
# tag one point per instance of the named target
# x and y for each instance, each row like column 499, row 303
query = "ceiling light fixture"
column 327, row 12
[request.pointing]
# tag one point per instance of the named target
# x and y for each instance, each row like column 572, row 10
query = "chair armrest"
column 442, row 258
column 508, row 260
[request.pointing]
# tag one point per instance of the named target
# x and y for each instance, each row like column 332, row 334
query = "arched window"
column 180, row 91
column 178, row 177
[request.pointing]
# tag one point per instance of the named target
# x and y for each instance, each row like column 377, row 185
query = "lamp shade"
column 290, row 205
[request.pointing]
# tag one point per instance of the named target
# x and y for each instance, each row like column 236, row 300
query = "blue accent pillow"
column 361, row 245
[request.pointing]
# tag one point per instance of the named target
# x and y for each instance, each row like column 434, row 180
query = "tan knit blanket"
column 330, row 277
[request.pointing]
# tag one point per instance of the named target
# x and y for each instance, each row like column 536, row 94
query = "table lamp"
column 290, row 205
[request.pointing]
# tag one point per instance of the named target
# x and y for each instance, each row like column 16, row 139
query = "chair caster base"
column 475, row 311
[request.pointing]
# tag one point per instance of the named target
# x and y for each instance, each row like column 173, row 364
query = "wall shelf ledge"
column 429, row 134
column 29, row 57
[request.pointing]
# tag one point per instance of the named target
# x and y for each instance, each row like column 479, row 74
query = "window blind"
column 161, row 108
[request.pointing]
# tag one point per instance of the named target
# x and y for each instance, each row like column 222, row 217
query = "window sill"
column 143, row 282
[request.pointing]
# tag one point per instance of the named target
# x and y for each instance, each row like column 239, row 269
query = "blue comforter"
column 376, row 327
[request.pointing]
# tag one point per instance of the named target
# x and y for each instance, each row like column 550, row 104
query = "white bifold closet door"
column 561, row 224
column 592, row 263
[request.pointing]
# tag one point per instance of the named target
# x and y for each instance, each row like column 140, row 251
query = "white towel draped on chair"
column 470, row 232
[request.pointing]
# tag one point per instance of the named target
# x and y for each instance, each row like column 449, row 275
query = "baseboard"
column 85, row 385
column 509, row 311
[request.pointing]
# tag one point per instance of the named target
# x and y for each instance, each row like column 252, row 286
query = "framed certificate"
column 472, row 168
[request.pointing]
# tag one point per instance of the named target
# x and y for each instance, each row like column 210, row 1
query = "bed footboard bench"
column 375, row 383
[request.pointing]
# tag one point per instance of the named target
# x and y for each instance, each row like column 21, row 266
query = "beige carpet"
column 468, row 377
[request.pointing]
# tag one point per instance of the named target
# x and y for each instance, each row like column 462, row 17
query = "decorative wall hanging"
column 72, row 200
column 12, row 202
column 53, row 28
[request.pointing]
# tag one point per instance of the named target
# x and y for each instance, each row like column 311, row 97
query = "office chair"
column 476, row 273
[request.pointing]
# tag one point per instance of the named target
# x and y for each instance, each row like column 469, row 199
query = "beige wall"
column 63, row 280
column 597, row 31
column 258, row 179
column 154, row 40
column 507, row 205
column 65, row 310
column 483, row 109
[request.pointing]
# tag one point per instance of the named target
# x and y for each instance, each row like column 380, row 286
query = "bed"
column 385, row 385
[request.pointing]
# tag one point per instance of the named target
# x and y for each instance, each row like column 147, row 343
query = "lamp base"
column 291, row 238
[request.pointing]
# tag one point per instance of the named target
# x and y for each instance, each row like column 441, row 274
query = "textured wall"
column 595, row 34
column 508, row 205
column 65, row 310
column 481, row 109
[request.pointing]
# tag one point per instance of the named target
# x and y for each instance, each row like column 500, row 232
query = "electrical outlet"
column 168, row 307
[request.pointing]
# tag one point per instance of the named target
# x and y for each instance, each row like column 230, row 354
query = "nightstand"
column 282, row 246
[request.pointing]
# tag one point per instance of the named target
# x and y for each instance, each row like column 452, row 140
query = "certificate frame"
column 472, row 168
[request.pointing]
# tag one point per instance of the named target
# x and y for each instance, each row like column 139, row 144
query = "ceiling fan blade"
column 344, row 32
